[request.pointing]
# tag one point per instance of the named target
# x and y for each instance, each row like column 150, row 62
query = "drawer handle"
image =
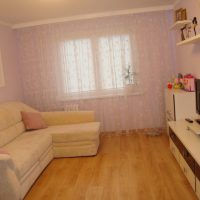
column 184, row 170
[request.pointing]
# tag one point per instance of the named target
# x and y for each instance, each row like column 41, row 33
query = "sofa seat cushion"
column 26, row 150
column 73, row 132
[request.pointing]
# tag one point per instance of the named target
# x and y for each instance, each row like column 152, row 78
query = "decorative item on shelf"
column 184, row 14
column 169, row 85
column 189, row 83
column 176, row 83
column 188, row 31
column 195, row 24
column 182, row 32
column 178, row 14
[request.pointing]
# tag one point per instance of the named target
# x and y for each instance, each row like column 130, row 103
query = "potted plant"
column 130, row 80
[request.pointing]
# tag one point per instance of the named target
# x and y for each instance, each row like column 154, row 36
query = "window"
column 114, row 57
column 95, row 66
column 79, row 68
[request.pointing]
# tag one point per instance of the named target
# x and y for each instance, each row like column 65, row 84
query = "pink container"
column 189, row 84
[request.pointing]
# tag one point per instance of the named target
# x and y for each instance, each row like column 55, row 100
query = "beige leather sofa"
column 69, row 134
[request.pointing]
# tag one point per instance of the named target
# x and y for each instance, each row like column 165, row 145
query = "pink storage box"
column 189, row 84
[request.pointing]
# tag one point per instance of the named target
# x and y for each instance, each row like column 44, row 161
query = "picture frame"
column 184, row 14
column 2, row 79
column 178, row 15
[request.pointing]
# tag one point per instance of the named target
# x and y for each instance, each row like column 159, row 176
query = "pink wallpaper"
column 13, row 87
column 188, row 56
column 40, row 63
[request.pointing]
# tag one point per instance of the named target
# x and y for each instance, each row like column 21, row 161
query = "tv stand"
column 185, row 148
column 198, row 121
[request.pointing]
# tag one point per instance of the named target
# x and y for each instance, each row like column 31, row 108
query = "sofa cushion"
column 10, row 113
column 11, row 124
column 73, row 132
column 26, row 150
column 2, row 151
column 33, row 120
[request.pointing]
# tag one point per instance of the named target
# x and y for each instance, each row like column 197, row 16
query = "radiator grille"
column 71, row 107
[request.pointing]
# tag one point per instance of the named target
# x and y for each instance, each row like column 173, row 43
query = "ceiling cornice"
column 95, row 15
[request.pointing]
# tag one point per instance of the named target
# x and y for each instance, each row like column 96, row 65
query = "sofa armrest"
column 9, row 182
column 62, row 118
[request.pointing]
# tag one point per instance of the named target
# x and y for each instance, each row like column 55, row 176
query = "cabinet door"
column 185, row 105
column 174, row 150
column 188, row 172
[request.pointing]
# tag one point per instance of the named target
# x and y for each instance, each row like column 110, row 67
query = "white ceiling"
column 24, row 11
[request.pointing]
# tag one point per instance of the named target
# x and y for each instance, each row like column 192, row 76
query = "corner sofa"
column 26, row 154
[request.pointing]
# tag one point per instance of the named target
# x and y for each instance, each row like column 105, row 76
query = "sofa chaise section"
column 69, row 134
column 73, row 133
column 27, row 154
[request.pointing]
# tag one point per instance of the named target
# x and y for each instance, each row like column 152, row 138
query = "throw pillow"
column 33, row 120
column 2, row 151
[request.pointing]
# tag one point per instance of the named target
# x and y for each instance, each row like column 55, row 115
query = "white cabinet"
column 179, row 104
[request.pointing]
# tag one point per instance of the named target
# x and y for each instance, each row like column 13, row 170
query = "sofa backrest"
column 11, row 124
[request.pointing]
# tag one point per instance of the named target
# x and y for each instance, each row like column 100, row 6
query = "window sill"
column 103, row 96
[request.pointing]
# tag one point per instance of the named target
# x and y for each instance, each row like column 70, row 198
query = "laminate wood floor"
column 128, row 167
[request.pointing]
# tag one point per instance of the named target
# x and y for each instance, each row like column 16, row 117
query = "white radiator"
column 71, row 107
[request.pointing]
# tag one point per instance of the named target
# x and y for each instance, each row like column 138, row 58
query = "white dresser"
column 185, row 147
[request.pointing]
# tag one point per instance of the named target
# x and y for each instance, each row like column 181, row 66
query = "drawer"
column 174, row 150
column 189, row 159
column 198, row 188
column 176, row 141
column 184, row 152
column 188, row 172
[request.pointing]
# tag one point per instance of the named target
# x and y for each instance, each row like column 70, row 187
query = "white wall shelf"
column 191, row 40
column 180, row 24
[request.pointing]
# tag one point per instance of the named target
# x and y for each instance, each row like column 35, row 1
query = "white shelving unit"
column 180, row 24
column 191, row 40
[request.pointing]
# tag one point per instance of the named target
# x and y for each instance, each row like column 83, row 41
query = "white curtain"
column 114, row 58
column 78, row 67
column 95, row 66
column 98, row 49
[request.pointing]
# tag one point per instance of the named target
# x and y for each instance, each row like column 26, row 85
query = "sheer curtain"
column 78, row 67
column 98, row 49
column 114, row 57
column 95, row 67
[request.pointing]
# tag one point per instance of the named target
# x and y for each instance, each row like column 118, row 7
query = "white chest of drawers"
column 185, row 146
